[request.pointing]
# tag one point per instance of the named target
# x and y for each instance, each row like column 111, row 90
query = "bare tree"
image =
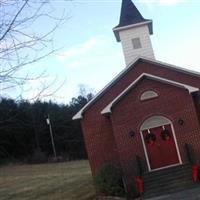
column 26, row 36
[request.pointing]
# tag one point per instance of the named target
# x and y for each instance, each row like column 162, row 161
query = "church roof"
column 79, row 115
column 189, row 88
column 130, row 17
column 129, row 14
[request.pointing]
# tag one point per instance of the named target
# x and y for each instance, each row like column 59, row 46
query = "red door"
column 161, row 151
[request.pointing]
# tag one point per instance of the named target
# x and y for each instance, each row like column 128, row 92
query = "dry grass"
column 58, row 181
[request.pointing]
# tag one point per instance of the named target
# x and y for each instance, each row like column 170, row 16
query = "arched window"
column 148, row 95
column 154, row 121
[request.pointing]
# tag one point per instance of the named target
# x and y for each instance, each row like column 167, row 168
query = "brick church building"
column 149, row 113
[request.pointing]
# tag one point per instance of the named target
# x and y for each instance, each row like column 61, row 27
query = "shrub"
column 108, row 180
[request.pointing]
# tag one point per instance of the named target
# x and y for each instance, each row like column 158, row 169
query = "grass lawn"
column 57, row 181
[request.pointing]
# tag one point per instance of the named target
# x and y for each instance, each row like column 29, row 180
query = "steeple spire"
column 133, row 31
column 130, row 14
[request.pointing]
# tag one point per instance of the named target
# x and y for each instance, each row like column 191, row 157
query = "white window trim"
column 148, row 94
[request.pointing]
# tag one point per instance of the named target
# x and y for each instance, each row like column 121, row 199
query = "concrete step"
column 168, row 177
column 178, row 168
column 152, row 194
column 167, row 180
column 169, row 186
column 190, row 193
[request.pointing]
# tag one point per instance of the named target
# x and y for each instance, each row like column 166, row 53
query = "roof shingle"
column 129, row 14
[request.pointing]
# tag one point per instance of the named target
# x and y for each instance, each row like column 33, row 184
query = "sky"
column 90, row 56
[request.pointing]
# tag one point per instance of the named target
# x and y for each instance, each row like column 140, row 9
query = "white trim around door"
column 175, row 141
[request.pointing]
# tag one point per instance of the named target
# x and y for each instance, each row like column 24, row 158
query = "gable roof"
column 79, row 115
column 130, row 17
column 108, row 108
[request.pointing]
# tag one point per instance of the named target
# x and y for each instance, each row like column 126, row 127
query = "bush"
column 108, row 180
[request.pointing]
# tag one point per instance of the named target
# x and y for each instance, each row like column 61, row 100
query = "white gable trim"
column 190, row 89
column 165, row 65
column 79, row 115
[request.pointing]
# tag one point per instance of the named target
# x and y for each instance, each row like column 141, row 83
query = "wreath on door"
column 165, row 135
column 150, row 138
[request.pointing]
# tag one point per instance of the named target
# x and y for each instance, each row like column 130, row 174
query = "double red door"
column 161, row 152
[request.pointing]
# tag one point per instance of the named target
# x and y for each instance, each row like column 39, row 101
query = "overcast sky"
column 91, row 56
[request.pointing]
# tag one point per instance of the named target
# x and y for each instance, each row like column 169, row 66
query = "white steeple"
column 134, row 33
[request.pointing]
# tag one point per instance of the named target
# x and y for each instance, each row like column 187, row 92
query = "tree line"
column 25, row 134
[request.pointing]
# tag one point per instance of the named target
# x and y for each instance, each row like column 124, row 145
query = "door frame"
column 176, row 145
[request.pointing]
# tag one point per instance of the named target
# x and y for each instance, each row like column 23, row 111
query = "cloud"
column 42, row 87
column 82, row 49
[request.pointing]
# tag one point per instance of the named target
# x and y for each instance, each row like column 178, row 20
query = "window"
column 148, row 95
column 136, row 43
column 154, row 121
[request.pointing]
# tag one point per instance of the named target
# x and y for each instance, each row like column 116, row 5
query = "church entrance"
column 159, row 143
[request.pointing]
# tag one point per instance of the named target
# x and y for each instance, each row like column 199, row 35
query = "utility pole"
column 51, row 134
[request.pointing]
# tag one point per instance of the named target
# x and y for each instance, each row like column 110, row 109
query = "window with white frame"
column 148, row 95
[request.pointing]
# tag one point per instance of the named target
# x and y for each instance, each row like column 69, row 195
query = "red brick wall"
column 130, row 112
column 98, row 130
column 99, row 142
